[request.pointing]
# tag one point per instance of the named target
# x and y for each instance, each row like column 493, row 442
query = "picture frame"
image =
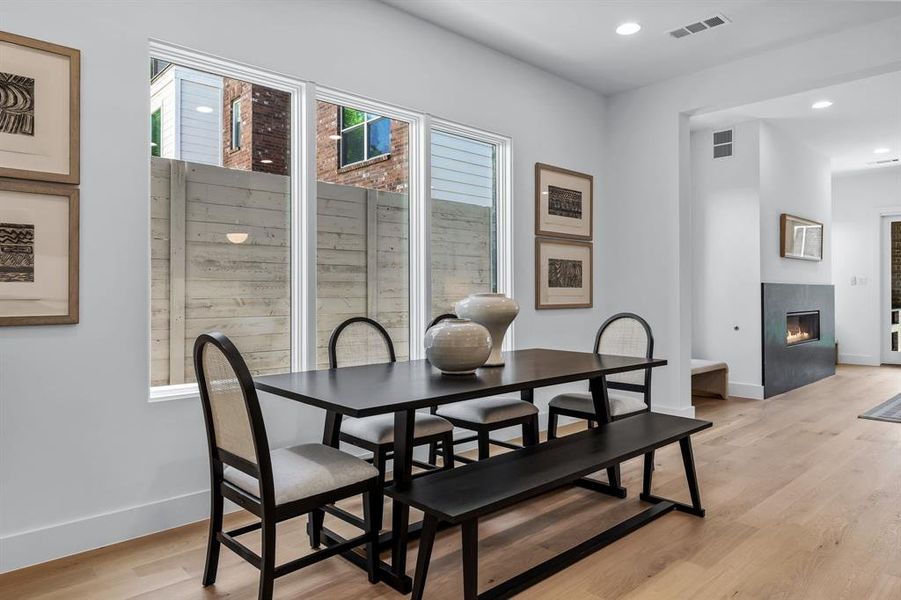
column 564, row 203
column 40, row 116
column 39, row 242
column 563, row 274
column 800, row 238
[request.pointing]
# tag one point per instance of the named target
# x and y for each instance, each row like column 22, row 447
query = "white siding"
column 200, row 134
column 162, row 95
column 462, row 170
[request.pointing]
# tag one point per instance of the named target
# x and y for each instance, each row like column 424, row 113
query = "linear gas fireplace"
column 802, row 327
column 798, row 335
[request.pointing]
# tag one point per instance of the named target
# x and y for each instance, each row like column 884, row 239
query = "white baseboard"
column 678, row 411
column 859, row 359
column 746, row 390
column 22, row 549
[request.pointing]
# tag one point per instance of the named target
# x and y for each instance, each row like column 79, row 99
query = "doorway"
column 890, row 292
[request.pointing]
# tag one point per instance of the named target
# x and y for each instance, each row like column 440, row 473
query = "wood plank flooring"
column 803, row 502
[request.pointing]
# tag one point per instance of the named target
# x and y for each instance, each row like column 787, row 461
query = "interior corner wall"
column 725, row 234
column 645, row 215
column 858, row 201
column 85, row 459
column 797, row 180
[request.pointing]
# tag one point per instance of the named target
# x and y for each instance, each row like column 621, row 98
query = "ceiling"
column 576, row 39
column 865, row 115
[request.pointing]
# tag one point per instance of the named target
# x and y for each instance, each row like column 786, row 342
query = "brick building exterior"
column 388, row 173
column 265, row 128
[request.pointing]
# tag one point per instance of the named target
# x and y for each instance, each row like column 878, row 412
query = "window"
column 363, row 136
column 156, row 132
column 236, row 125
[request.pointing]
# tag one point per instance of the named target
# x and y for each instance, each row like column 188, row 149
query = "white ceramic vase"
column 495, row 312
column 457, row 346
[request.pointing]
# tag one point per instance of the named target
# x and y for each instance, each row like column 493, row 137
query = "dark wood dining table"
column 403, row 387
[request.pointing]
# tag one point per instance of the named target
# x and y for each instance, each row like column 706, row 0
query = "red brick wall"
column 232, row 89
column 387, row 173
column 265, row 128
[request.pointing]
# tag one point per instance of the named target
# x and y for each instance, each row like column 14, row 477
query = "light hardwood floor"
column 803, row 502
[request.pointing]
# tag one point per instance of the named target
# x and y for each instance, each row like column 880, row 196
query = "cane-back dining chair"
column 274, row 485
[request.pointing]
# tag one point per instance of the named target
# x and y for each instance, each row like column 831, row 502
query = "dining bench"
column 464, row 495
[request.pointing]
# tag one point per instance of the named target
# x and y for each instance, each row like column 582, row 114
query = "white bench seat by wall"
column 379, row 429
column 304, row 471
column 621, row 403
column 488, row 410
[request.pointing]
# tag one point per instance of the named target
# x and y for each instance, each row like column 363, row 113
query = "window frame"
column 342, row 131
column 236, row 125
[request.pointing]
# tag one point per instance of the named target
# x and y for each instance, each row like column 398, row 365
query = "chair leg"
column 314, row 527
column 551, row 425
column 471, row 560
column 212, row 548
column 426, row 541
column 447, row 451
column 433, row 453
column 372, row 517
column 530, row 432
column 267, row 558
column 484, row 444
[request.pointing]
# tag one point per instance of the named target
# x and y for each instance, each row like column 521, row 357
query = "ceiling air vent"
column 885, row 161
column 702, row 25
column 722, row 143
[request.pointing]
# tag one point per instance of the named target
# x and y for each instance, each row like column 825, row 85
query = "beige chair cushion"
column 620, row 403
column 304, row 471
column 488, row 410
column 699, row 366
column 380, row 428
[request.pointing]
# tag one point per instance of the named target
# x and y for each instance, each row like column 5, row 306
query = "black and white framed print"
column 563, row 203
column 38, row 253
column 39, row 110
column 563, row 274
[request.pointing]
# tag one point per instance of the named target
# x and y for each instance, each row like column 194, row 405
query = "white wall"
column 797, row 180
column 725, row 234
column 858, row 199
column 648, row 176
column 85, row 460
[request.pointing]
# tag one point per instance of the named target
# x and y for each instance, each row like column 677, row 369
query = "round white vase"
column 495, row 312
column 457, row 346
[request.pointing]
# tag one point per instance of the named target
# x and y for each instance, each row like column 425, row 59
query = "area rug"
column 890, row 411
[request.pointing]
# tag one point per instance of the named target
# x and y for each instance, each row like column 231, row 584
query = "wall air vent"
column 722, row 143
column 698, row 27
column 884, row 161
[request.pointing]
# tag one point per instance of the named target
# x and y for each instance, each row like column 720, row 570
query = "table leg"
column 403, row 472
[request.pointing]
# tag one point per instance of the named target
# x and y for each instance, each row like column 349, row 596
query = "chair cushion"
column 380, row 428
column 304, row 471
column 488, row 410
column 620, row 404
column 699, row 366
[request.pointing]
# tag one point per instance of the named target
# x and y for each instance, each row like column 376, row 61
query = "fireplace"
column 802, row 327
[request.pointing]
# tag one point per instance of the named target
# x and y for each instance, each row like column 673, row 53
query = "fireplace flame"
column 793, row 337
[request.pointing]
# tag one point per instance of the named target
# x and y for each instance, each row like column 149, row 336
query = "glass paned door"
column 891, row 290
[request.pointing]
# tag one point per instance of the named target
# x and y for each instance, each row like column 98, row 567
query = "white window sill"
column 165, row 393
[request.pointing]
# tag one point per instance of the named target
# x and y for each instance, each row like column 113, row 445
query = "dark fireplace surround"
column 798, row 335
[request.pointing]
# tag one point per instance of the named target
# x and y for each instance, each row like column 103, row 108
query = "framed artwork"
column 39, row 110
column 38, row 253
column 563, row 203
column 562, row 274
column 800, row 238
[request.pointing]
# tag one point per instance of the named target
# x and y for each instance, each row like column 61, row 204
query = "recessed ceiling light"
column 204, row 109
column 821, row 104
column 335, row 137
column 266, row 161
column 882, row 150
column 628, row 28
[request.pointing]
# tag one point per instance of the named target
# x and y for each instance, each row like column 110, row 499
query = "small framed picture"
column 38, row 253
column 801, row 238
column 39, row 110
column 562, row 274
column 563, row 203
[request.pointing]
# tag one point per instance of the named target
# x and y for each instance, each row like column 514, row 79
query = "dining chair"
column 484, row 415
column 623, row 334
column 274, row 485
column 370, row 343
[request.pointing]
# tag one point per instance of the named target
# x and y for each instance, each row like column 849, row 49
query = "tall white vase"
column 495, row 312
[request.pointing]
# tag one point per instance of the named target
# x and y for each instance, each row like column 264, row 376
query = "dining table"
column 404, row 387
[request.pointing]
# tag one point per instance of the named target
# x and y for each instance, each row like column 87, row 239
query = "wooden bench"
column 709, row 378
column 463, row 495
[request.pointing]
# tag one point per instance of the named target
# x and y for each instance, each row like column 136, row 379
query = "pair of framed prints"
column 563, row 234
column 39, row 172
